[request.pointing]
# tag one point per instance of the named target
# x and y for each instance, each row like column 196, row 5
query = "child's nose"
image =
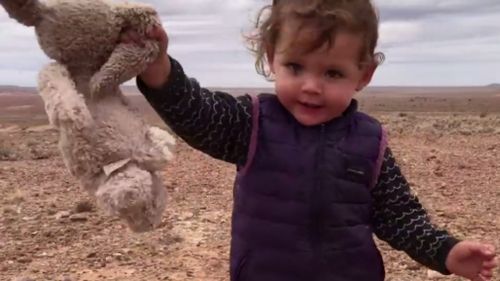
column 311, row 85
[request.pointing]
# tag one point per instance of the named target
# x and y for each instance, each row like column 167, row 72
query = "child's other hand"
column 472, row 260
column 156, row 74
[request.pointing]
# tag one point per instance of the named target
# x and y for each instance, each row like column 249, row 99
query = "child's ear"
column 367, row 75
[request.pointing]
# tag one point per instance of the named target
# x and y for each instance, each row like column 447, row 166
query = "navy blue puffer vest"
column 302, row 204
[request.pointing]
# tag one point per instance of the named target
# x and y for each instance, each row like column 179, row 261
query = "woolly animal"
column 104, row 141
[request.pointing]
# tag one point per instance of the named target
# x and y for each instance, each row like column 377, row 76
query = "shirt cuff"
column 443, row 252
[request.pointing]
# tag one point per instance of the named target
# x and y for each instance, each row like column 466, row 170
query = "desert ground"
column 447, row 141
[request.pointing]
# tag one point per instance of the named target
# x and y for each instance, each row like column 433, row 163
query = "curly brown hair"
column 325, row 17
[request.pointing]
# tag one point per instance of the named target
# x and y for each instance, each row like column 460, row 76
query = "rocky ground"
column 51, row 230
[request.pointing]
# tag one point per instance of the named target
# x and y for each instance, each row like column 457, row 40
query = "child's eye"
column 334, row 74
column 295, row 68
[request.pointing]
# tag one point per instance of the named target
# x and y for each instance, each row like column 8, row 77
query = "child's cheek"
column 339, row 97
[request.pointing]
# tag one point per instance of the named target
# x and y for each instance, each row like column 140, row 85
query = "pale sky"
column 426, row 43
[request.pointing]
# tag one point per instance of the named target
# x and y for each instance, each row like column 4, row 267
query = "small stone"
column 126, row 251
column 23, row 279
column 29, row 218
column 432, row 157
column 413, row 266
column 84, row 207
column 24, row 260
column 9, row 210
column 45, row 255
column 78, row 217
column 186, row 216
column 62, row 215
column 434, row 274
column 91, row 255
column 67, row 278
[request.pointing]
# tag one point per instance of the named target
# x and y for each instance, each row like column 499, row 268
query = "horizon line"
column 263, row 87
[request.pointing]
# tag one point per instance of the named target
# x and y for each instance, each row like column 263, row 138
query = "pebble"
column 24, row 260
column 91, row 255
column 30, row 218
column 434, row 274
column 413, row 266
column 78, row 217
column 62, row 214
column 23, row 279
column 186, row 216
column 84, row 207
column 126, row 251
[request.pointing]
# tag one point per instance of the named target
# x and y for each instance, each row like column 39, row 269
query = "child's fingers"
column 156, row 32
column 136, row 38
column 487, row 272
column 490, row 264
column 488, row 250
column 130, row 36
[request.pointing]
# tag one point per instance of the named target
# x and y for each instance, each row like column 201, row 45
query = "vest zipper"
column 316, row 196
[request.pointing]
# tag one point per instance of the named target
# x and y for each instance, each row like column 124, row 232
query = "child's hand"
column 156, row 74
column 472, row 260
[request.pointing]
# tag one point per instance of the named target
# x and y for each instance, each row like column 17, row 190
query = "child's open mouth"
column 310, row 105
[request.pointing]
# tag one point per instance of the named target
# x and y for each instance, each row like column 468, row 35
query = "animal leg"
column 126, row 62
column 27, row 12
column 163, row 141
column 63, row 104
column 134, row 195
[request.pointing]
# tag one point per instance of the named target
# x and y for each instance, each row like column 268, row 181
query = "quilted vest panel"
column 302, row 205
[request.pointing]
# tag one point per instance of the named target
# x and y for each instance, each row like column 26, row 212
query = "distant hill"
column 132, row 90
column 372, row 90
column 17, row 89
column 33, row 90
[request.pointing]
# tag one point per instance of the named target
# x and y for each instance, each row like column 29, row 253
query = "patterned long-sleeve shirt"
column 220, row 125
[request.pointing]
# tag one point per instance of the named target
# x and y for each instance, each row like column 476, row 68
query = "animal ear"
column 27, row 12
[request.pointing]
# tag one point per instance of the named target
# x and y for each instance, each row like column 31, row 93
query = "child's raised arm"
column 216, row 123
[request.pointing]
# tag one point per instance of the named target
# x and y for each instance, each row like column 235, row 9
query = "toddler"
column 315, row 176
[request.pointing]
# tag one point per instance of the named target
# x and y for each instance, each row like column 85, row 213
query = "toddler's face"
column 318, row 86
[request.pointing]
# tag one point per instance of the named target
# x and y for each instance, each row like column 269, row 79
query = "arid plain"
column 447, row 141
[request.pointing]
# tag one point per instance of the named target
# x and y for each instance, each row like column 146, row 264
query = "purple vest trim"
column 253, row 137
column 380, row 160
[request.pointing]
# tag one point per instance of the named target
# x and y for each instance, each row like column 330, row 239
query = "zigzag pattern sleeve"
column 216, row 123
column 400, row 220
